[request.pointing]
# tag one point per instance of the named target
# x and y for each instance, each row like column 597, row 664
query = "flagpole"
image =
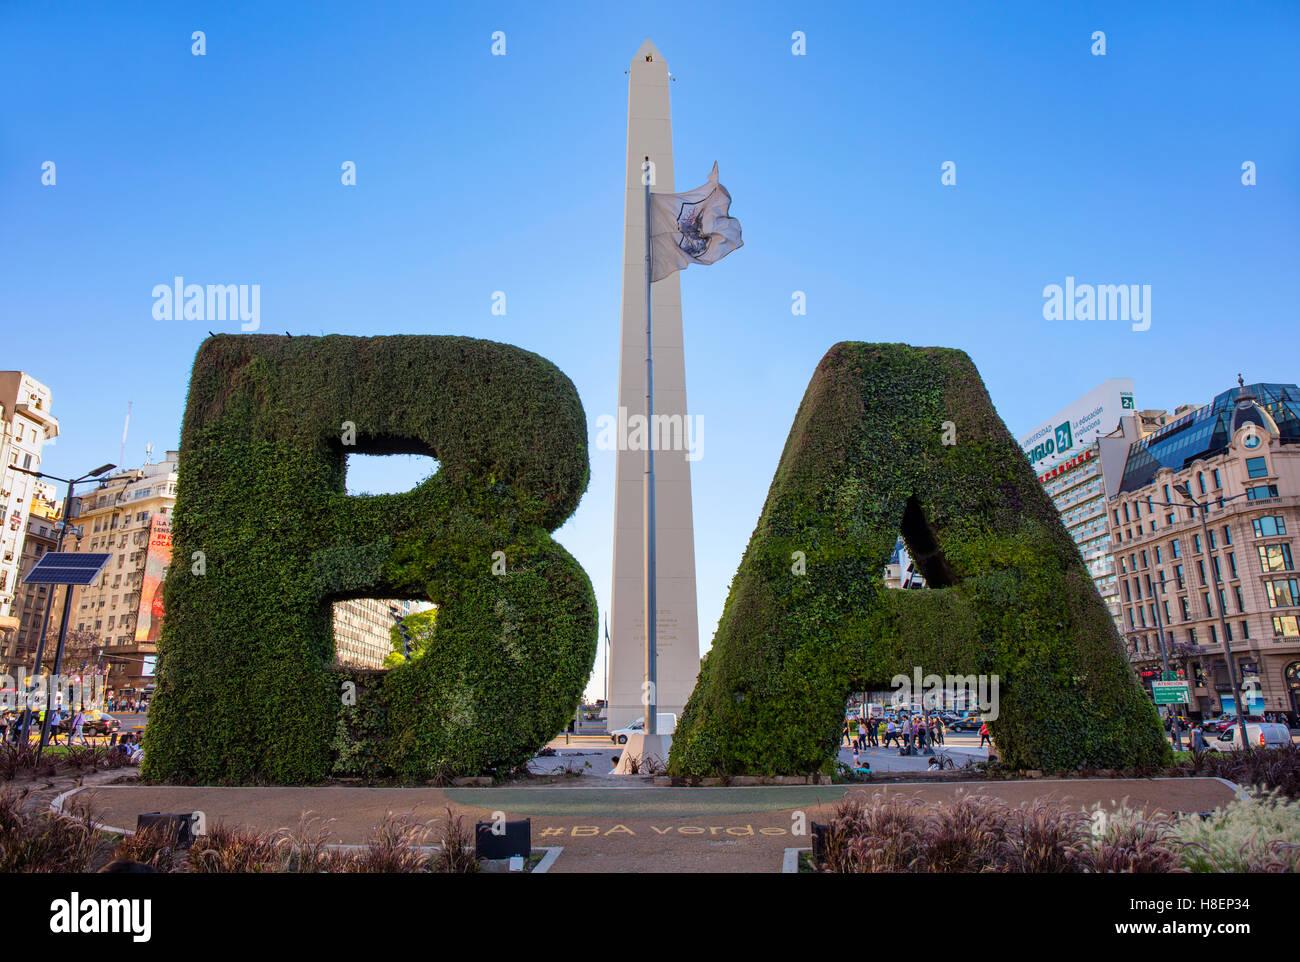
column 650, row 694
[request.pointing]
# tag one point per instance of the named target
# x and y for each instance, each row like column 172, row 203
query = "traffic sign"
column 1170, row 692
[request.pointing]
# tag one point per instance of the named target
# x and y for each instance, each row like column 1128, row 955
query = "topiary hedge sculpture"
column 808, row 619
column 265, row 539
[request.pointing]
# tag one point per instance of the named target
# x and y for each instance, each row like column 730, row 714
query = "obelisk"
column 649, row 134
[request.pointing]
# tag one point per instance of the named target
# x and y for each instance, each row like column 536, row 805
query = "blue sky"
column 478, row 173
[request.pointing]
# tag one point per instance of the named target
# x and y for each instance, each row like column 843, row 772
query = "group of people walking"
column 11, row 725
column 906, row 734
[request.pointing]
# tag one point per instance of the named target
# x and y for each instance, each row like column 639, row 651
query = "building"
column 27, row 424
column 901, row 572
column 362, row 629
column 1075, row 452
column 32, row 601
column 1238, row 453
column 128, row 516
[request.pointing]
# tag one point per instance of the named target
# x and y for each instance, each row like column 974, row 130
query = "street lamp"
column 1185, row 492
column 401, row 627
column 67, row 589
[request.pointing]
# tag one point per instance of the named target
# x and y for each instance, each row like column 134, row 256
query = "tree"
column 419, row 627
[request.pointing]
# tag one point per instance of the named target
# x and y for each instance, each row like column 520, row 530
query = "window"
column 1178, row 551
column 1275, row 557
column 1187, row 613
column 1241, row 605
column 1178, row 576
column 1144, row 558
column 1128, row 595
column 1227, row 535
column 1260, row 492
column 1285, row 625
column 1213, row 544
column 1256, row 468
column 1283, row 594
column 1196, row 544
column 1191, row 634
column 1126, row 517
column 1209, row 611
column 1218, row 576
column 1200, row 481
column 1200, row 568
column 1168, row 616
column 1245, row 629
column 1214, row 635
column 1217, row 483
column 1116, row 512
column 1159, row 558
column 1232, row 563
column 1269, row 526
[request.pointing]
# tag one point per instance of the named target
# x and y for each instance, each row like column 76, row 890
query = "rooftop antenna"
column 121, row 456
column 148, row 453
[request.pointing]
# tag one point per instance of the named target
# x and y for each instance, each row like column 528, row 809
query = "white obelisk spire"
column 649, row 134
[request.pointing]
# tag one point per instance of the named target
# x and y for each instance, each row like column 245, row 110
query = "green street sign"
column 1170, row 692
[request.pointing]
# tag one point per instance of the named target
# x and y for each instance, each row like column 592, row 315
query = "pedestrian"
column 1198, row 740
column 75, row 731
column 985, row 736
column 938, row 728
column 845, row 740
column 891, row 733
column 873, row 734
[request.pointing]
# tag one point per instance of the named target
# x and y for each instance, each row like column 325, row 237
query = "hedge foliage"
column 247, row 691
column 1009, row 592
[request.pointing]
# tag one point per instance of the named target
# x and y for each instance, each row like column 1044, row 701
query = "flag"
column 691, row 228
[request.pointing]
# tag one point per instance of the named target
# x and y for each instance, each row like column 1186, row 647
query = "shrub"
column 246, row 688
column 44, row 841
column 226, row 849
column 1043, row 838
column 1132, row 842
column 394, row 847
column 1267, row 769
column 864, row 461
column 1257, row 833
column 456, row 852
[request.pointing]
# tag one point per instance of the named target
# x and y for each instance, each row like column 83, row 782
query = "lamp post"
column 1185, row 492
column 401, row 627
column 67, row 589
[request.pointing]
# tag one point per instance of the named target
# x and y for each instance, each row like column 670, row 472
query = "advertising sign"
column 149, row 619
column 1075, row 427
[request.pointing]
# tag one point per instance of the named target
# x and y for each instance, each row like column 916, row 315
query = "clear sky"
column 479, row 173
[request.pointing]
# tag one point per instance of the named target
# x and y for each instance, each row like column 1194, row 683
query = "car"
column 970, row 723
column 96, row 723
column 667, row 725
column 1213, row 726
column 1262, row 735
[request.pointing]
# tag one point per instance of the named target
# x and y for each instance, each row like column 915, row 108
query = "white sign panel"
column 1076, row 426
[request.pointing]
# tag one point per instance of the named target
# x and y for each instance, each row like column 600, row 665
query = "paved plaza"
column 637, row 828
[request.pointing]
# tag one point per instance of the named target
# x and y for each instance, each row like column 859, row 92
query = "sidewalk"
column 633, row 829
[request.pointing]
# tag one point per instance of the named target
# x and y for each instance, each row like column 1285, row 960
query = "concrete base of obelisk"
column 650, row 752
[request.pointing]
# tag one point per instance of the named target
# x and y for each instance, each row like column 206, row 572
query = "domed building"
column 1232, row 580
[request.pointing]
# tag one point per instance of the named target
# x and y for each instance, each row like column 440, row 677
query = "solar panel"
column 66, row 568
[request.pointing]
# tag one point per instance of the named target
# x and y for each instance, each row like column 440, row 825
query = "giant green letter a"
column 809, row 620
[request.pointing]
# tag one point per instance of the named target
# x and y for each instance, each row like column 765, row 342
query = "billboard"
column 149, row 619
column 1077, row 425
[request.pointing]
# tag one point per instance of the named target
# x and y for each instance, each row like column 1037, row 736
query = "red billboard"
column 149, row 620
